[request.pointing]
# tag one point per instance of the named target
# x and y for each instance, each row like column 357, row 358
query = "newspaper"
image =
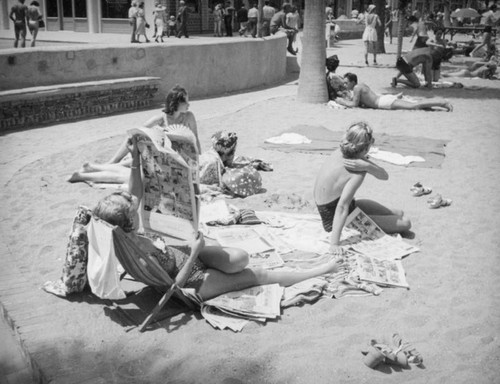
column 169, row 166
column 388, row 273
column 221, row 320
column 256, row 303
column 364, row 236
column 244, row 238
column 266, row 260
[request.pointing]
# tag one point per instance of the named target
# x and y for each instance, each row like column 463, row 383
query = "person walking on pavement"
column 228, row 19
column 34, row 15
column 267, row 14
column 132, row 20
column 159, row 20
column 253, row 15
column 182, row 19
column 242, row 18
column 18, row 14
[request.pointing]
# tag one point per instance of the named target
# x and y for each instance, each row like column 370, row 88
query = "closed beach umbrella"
column 465, row 13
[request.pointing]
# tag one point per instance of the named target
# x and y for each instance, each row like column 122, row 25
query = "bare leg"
column 120, row 154
column 412, row 80
column 95, row 167
column 366, row 52
column 225, row 259
column 390, row 220
column 216, row 283
column 374, row 47
column 462, row 73
column 118, row 176
column 423, row 104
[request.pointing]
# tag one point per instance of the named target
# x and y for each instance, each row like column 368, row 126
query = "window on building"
column 51, row 8
column 115, row 9
column 67, row 8
column 80, row 8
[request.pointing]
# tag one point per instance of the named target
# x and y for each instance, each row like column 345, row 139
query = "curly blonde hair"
column 115, row 209
column 357, row 139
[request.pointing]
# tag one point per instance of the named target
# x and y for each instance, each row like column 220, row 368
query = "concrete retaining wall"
column 204, row 69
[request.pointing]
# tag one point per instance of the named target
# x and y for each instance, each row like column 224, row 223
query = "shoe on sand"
column 438, row 201
column 419, row 190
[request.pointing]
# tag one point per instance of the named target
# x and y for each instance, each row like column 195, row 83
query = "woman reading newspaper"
column 117, row 169
column 217, row 270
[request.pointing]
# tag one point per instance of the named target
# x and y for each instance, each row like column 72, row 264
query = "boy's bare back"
column 331, row 179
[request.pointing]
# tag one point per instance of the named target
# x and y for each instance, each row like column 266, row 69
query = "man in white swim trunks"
column 364, row 97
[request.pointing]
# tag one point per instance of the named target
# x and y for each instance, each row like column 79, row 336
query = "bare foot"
column 334, row 265
column 75, row 177
column 86, row 167
column 399, row 95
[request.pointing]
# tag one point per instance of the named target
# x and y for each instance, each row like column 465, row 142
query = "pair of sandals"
column 394, row 352
column 433, row 202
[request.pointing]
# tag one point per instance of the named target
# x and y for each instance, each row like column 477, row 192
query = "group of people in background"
column 173, row 26
column 26, row 17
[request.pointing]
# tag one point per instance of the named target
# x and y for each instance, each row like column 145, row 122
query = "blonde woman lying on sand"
column 482, row 69
column 340, row 177
column 117, row 169
column 217, row 270
column 363, row 96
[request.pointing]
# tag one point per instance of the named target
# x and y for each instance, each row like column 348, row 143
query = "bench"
column 454, row 30
column 28, row 107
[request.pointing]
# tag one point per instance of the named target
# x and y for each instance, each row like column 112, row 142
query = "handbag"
column 41, row 23
column 147, row 25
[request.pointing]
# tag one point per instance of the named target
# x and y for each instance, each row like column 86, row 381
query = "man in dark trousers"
column 228, row 18
column 182, row 19
column 242, row 17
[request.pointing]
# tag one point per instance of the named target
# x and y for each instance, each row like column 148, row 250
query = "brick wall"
column 54, row 107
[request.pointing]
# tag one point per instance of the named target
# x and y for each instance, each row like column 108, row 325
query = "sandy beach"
column 451, row 313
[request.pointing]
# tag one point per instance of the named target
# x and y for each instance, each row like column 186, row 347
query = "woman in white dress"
column 159, row 16
column 370, row 34
column 141, row 22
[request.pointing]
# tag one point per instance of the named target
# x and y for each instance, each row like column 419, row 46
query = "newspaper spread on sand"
column 256, row 303
column 242, row 237
column 169, row 162
column 364, row 236
column 381, row 272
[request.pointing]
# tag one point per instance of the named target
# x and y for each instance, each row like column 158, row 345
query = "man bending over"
column 364, row 97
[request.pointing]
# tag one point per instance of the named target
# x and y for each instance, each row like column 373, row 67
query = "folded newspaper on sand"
column 256, row 303
column 364, row 236
column 169, row 161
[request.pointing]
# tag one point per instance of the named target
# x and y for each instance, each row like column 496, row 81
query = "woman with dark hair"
column 217, row 269
column 117, row 169
column 34, row 15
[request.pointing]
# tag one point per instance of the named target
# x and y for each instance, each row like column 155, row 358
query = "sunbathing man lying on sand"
column 430, row 58
column 217, row 270
column 364, row 97
column 482, row 69
column 340, row 177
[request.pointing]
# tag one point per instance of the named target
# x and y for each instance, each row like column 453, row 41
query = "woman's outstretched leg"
column 117, row 176
column 216, row 283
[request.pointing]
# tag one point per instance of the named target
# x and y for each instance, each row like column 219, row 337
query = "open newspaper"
column 364, row 236
column 388, row 273
column 169, row 162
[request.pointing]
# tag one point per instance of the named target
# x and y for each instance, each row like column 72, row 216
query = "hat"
column 371, row 7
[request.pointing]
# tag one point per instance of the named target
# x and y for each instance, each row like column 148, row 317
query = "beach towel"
column 324, row 141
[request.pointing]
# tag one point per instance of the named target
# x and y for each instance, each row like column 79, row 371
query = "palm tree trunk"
column 380, row 47
column 312, row 83
column 259, row 19
column 401, row 25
